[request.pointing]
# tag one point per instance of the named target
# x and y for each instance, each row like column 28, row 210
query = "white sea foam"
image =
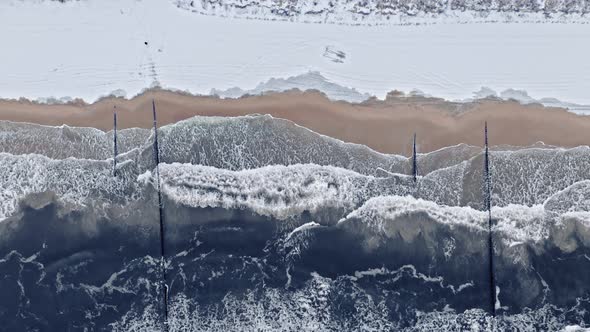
column 575, row 328
column 522, row 223
column 515, row 223
column 284, row 192
column 530, row 176
column 302, row 228
column 61, row 142
column 309, row 308
column 277, row 191
column 574, row 198
column 378, row 210
column 254, row 141
column 76, row 182
column 287, row 191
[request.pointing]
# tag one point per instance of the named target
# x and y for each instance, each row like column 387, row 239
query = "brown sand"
column 386, row 126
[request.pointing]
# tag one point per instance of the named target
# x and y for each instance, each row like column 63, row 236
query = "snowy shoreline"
column 154, row 43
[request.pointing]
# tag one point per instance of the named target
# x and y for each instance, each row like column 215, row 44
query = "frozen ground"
column 384, row 12
column 88, row 49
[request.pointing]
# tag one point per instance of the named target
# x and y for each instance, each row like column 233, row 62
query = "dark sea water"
column 271, row 227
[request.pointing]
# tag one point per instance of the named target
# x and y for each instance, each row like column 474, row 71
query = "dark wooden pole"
column 115, row 152
column 488, row 205
column 414, row 161
column 162, row 229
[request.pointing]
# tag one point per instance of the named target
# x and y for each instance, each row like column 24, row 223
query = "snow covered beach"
column 88, row 49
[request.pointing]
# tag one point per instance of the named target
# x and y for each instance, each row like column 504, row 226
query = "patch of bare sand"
column 385, row 126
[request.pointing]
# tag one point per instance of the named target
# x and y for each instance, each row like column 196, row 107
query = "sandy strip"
column 386, row 126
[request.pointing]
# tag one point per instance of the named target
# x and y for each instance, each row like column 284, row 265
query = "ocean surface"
column 272, row 227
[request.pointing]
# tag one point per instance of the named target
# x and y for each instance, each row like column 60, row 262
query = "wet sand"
column 385, row 126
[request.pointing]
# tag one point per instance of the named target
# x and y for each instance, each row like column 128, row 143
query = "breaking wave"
column 270, row 226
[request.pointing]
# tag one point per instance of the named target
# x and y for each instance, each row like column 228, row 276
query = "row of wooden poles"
column 163, row 275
